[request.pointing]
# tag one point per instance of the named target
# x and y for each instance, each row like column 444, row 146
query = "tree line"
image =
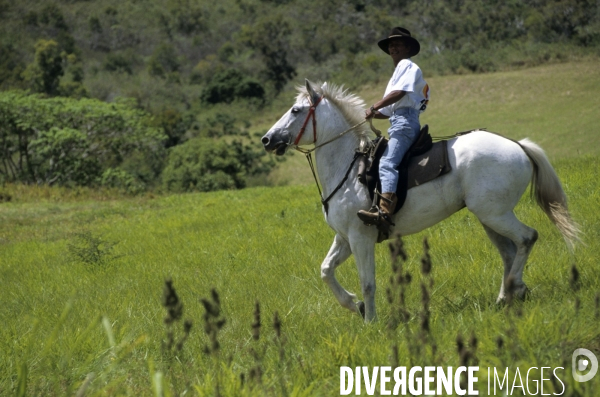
column 195, row 71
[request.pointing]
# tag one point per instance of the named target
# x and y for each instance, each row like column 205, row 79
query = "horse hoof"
column 360, row 305
column 520, row 293
column 523, row 292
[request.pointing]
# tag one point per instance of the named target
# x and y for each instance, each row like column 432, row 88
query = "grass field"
column 83, row 280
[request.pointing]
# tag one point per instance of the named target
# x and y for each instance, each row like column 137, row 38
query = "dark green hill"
column 208, row 70
column 176, row 48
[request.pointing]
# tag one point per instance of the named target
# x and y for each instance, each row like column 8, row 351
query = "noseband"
column 311, row 113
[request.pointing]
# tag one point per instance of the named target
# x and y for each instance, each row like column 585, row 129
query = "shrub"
column 203, row 164
column 122, row 180
column 67, row 141
column 62, row 156
column 11, row 66
column 117, row 63
column 163, row 61
column 229, row 85
column 92, row 250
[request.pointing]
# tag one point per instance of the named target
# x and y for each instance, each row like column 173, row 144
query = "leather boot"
column 381, row 216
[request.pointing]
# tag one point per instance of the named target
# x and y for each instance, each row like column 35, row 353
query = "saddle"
column 423, row 162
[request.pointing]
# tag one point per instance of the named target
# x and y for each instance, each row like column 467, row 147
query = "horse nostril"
column 265, row 141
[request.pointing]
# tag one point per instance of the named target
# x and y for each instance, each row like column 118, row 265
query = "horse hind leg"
column 338, row 253
column 508, row 227
column 508, row 252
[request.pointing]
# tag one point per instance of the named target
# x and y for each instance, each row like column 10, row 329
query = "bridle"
column 308, row 152
column 311, row 113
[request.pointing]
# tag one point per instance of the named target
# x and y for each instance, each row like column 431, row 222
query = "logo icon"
column 581, row 364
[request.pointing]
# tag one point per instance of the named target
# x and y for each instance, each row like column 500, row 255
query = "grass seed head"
column 460, row 344
column 426, row 259
column 256, row 323
column 213, row 322
column 277, row 325
column 425, row 322
column 397, row 249
column 171, row 302
column 499, row 343
column 574, row 281
column 473, row 341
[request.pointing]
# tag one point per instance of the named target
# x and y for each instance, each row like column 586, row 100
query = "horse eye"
column 295, row 110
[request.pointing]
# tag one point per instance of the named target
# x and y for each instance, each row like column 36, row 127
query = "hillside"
column 201, row 77
column 168, row 54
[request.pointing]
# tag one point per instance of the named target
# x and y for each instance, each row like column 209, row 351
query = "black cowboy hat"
column 404, row 34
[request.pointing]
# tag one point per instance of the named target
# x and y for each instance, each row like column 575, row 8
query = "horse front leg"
column 364, row 253
column 338, row 253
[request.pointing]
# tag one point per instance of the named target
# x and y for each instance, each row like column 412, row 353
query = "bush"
column 117, row 63
column 62, row 156
column 163, row 61
column 229, row 85
column 174, row 124
column 11, row 66
column 122, row 180
column 204, row 164
column 70, row 142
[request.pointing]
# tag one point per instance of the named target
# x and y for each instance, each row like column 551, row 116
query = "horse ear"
column 312, row 94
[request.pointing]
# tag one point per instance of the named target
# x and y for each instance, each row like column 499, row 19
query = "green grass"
column 83, row 271
column 266, row 245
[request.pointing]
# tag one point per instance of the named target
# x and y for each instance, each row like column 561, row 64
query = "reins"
column 308, row 152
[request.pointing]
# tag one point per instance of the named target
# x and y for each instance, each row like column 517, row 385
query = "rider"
column 405, row 98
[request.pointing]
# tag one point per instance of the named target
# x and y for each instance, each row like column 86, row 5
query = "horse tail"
column 548, row 192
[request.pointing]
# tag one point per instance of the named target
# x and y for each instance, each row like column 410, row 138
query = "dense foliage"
column 88, row 142
column 269, row 40
column 77, row 142
column 182, row 59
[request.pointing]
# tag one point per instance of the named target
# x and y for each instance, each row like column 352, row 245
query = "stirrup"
column 370, row 217
column 378, row 220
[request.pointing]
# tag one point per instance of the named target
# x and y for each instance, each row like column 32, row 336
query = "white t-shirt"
column 407, row 77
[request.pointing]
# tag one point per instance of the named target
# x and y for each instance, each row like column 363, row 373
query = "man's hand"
column 374, row 114
column 370, row 113
column 391, row 98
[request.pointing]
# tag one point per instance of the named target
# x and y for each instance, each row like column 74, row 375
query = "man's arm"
column 389, row 99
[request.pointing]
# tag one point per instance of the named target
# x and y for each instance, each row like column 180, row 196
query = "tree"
column 163, row 61
column 230, row 84
column 46, row 70
column 270, row 37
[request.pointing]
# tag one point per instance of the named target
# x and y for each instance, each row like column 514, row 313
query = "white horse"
column 489, row 175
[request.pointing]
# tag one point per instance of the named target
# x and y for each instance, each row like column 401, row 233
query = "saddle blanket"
column 413, row 170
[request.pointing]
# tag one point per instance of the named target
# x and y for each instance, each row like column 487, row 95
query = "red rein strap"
column 311, row 112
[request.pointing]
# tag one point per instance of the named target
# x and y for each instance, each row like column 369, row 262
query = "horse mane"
column 350, row 105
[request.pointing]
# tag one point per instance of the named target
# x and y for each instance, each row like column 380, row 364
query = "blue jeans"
column 404, row 129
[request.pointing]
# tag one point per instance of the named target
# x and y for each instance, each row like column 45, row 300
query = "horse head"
column 294, row 128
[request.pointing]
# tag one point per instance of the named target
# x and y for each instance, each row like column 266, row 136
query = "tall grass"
column 97, row 327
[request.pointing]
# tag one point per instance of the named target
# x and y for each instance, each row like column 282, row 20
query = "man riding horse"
column 405, row 97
